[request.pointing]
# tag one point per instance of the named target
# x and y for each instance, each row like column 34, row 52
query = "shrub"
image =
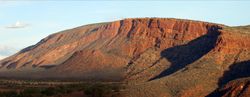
column 49, row 91
column 9, row 94
column 100, row 90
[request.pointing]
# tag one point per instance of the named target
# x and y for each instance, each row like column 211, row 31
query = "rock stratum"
column 156, row 57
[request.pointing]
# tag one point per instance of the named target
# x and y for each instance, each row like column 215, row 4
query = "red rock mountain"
column 157, row 57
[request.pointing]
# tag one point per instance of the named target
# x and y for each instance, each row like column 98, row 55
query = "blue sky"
column 24, row 23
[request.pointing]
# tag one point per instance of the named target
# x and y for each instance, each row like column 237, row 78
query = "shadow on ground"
column 181, row 56
column 236, row 71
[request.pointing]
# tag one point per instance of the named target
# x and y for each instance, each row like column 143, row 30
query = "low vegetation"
column 59, row 89
column 241, row 29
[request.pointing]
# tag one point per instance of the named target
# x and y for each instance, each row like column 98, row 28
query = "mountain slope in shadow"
column 181, row 56
column 233, row 80
column 237, row 70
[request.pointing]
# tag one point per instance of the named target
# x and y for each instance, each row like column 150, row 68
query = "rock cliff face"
column 163, row 57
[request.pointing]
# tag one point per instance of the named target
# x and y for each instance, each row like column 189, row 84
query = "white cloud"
column 18, row 24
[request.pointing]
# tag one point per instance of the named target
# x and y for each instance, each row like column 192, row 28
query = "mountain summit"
column 162, row 56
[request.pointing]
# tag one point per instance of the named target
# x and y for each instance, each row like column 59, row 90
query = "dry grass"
column 240, row 29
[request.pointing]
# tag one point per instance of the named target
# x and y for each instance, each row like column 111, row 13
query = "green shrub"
column 9, row 94
column 100, row 90
column 49, row 91
column 31, row 92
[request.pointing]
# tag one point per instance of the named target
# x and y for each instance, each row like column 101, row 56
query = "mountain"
column 156, row 57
